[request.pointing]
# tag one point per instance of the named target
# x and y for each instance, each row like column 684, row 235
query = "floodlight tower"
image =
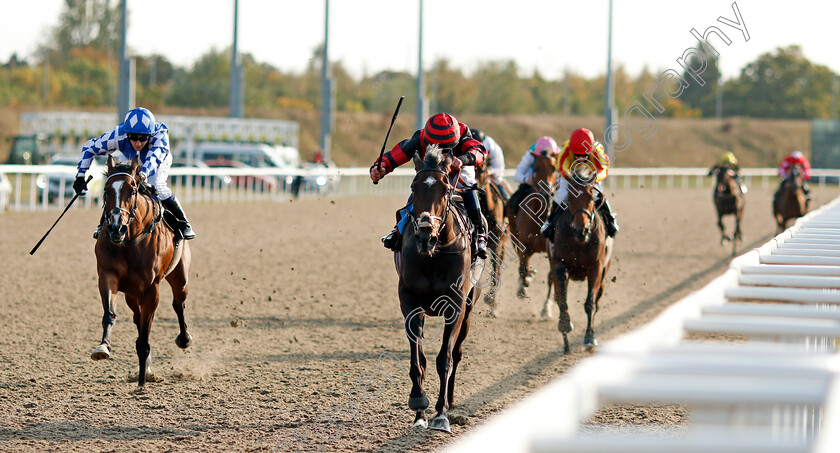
column 421, row 92
column 235, row 110
column 610, row 89
column 326, row 89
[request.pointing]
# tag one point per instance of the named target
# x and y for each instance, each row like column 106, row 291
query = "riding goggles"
column 137, row 137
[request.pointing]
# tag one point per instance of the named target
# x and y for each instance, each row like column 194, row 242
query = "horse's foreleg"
column 149, row 304
column 417, row 399
column 457, row 349
column 723, row 236
column 546, row 310
column 561, row 292
column 451, row 331
column 524, row 275
column 591, row 307
column 108, row 294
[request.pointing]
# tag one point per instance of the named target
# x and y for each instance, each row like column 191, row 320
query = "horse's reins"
column 418, row 223
column 132, row 213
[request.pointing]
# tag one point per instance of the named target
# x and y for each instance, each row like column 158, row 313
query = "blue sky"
column 371, row 35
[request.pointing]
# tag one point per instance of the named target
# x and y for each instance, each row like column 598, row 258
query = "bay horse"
column 581, row 251
column 135, row 255
column 729, row 200
column 525, row 223
column 434, row 266
column 493, row 208
column 790, row 201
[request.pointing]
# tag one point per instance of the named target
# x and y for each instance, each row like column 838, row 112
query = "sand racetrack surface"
column 298, row 337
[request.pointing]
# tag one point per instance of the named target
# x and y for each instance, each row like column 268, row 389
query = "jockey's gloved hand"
column 79, row 185
column 142, row 177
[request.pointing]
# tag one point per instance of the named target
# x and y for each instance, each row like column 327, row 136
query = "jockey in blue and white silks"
column 138, row 135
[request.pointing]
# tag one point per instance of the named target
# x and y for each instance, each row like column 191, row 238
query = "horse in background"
column 790, row 201
column 525, row 222
column 435, row 265
column 581, row 251
column 729, row 200
column 493, row 208
column 134, row 253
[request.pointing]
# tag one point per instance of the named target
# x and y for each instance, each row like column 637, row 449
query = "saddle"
column 172, row 223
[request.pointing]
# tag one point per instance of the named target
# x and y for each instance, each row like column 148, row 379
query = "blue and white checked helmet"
column 139, row 121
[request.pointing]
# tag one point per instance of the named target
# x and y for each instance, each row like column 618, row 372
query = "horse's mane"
column 434, row 156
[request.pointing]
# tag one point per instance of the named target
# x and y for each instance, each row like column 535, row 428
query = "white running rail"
column 776, row 390
column 194, row 185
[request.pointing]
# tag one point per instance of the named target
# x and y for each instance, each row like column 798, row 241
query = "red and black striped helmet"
column 442, row 129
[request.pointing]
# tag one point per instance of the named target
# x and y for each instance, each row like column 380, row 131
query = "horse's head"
column 120, row 197
column 432, row 194
column 545, row 171
column 581, row 201
column 725, row 180
column 795, row 176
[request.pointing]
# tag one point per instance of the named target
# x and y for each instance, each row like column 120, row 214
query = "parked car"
column 268, row 182
column 60, row 184
column 316, row 182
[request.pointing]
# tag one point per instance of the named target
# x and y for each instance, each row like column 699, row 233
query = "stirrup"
column 481, row 246
column 187, row 232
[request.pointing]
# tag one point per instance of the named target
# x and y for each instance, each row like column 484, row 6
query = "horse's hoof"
column 101, row 352
column 182, row 341
column 418, row 403
column 521, row 293
column 440, row 423
column 421, row 423
column 545, row 314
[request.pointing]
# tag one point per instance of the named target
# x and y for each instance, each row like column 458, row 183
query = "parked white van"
column 251, row 154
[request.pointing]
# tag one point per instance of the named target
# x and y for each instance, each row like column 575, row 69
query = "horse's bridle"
column 591, row 214
column 117, row 210
column 132, row 213
column 450, row 189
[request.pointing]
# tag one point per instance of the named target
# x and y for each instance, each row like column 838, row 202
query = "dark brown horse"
column 790, row 201
column 526, row 222
column 493, row 208
column 435, row 280
column 134, row 253
column 581, row 251
column 729, row 200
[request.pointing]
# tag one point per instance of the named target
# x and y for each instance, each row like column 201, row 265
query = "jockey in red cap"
column 443, row 130
column 795, row 158
column 581, row 147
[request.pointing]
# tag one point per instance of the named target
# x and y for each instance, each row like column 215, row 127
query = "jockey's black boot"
column 99, row 227
column 547, row 228
column 610, row 225
column 393, row 240
column 480, row 232
column 172, row 205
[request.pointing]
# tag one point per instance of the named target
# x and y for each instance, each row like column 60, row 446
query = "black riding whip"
column 32, row 252
column 382, row 152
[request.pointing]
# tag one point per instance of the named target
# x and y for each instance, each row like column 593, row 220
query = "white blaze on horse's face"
column 117, row 187
column 430, row 181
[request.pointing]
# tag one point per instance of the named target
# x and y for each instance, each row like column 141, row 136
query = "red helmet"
column 442, row 129
column 581, row 141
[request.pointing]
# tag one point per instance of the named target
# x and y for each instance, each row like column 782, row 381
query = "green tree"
column 702, row 98
column 206, row 85
column 781, row 84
